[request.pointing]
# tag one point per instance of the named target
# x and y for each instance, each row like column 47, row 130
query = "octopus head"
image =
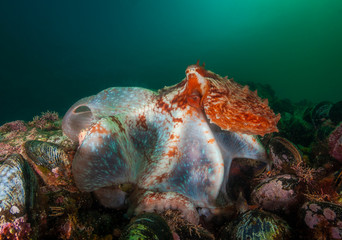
column 228, row 104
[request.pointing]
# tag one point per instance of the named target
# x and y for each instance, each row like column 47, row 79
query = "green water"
column 54, row 52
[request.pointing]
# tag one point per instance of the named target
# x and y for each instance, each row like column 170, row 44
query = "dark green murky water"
column 54, row 52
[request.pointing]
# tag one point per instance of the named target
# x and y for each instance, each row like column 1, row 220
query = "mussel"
column 18, row 187
column 256, row 225
column 51, row 162
column 283, row 153
column 147, row 226
column 322, row 220
column 279, row 193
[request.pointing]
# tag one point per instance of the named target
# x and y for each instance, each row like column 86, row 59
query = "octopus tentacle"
column 238, row 145
column 161, row 201
column 106, row 156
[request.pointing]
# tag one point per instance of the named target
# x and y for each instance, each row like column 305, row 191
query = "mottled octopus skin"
column 179, row 141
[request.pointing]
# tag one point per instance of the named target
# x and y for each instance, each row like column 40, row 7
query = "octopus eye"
column 191, row 69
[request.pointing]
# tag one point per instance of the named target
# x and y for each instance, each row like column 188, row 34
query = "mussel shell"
column 323, row 220
column 147, row 226
column 256, row 224
column 283, row 153
column 18, row 187
column 48, row 155
column 279, row 193
column 51, row 163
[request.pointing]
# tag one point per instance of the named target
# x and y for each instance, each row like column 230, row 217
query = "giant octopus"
column 173, row 147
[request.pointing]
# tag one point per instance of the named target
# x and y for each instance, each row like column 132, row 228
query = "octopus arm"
column 198, row 169
column 111, row 197
column 106, row 157
column 238, row 145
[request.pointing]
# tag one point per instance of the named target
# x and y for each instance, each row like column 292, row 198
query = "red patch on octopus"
column 165, row 107
column 141, row 122
column 97, row 128
column 177, row 120
column 174, row 137
column 160, row 179
column 180, row 100
column 172, row 152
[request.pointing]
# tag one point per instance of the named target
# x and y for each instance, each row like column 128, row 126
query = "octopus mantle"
column 175, row 145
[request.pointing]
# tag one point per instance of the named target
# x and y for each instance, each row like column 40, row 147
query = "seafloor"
column 299, row 197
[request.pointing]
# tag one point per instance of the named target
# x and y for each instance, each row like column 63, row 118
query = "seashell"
column 51, row 163
column 256, row 224
column 18, row 186
column 147, row 226
column 280, row 193
column 46, row 154
column 283, row 153
column 322, row 220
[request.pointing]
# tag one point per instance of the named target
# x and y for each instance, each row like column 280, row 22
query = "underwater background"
column 53, row 53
